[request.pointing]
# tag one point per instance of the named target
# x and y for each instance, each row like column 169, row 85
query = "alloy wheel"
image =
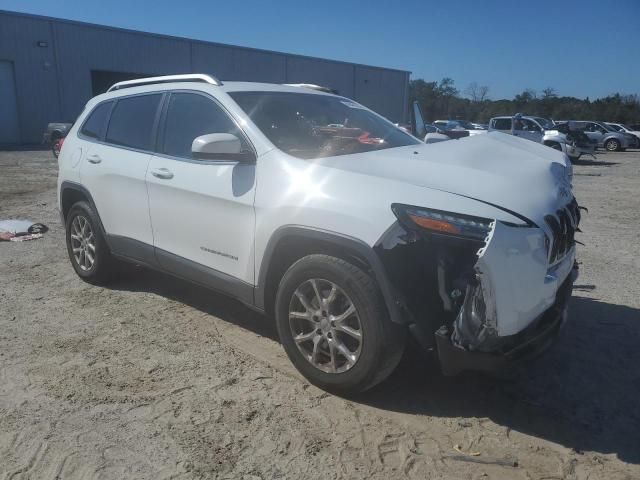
column 612, row 145
column 325, row 326
column 83, row 243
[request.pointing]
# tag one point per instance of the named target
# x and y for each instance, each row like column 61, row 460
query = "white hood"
column 519, row 175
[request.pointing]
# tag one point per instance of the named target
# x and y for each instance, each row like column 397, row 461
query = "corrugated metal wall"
column 54, row 58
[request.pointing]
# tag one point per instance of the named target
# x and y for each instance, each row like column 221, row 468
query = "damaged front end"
column 479, row 292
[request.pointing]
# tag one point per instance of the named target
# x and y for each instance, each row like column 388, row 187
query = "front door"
column 595, row 132
column 527, row 129
column 201, row 210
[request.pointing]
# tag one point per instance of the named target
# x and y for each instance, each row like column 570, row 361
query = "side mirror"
column 220, row 146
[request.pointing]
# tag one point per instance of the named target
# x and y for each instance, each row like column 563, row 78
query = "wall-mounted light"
column 42, row 44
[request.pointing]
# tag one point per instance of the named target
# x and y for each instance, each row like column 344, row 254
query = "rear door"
column 115, row 167
column 201, row 210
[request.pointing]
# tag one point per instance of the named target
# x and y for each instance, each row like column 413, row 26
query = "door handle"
column 163, row 173
column 94, row 159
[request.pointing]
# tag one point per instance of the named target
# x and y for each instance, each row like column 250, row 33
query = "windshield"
column 314, row 126
column 546, row 124
column 617, row 128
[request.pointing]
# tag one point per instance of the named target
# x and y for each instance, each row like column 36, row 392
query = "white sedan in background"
column 621, row 127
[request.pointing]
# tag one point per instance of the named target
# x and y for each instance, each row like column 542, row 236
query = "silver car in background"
column 541, row 130
column 605, row 137
column 622, row 128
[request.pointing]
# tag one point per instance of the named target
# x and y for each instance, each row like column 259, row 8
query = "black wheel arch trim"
column 68, row 185
column 348, row 244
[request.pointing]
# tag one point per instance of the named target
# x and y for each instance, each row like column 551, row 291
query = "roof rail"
column 189, row 77
column 311, row 86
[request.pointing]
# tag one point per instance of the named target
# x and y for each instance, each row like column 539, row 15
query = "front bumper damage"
column 505, row 351
column 480, row 305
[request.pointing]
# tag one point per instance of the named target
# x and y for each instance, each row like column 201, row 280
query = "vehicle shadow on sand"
column 594, row 163
column 583, row 393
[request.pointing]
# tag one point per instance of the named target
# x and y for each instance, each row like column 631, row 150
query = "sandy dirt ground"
column 154, row 378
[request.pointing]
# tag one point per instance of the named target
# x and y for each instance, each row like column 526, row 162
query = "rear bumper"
column 528, row 343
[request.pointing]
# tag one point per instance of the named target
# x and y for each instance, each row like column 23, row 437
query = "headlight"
column 446, row 223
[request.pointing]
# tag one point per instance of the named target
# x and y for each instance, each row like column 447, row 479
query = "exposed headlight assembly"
column 446, row 223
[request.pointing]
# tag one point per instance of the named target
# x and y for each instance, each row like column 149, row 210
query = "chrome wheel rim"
column 325, row 326
column 612, row 146
column 83, row 243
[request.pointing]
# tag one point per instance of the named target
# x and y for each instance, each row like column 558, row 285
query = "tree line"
column 443, row 100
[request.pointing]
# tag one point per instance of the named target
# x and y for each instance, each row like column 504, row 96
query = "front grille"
column 563, row 224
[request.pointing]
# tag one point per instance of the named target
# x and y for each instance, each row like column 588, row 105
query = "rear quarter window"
column 94, row 124
column 502, row 124
column 132, row 119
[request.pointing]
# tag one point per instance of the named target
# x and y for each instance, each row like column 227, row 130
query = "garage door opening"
column 101, row 80
column 9, row 130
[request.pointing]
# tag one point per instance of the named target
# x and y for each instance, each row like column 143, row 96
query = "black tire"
column 612, row 145
column 382, row 341
column 102, row 268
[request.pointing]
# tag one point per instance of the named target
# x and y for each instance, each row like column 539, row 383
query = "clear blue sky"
column 581, row 48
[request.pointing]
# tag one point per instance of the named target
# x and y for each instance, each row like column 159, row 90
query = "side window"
column 529, row 126
column 502, row 124
column 93, row 125
column 131, row 123
column 190, row 115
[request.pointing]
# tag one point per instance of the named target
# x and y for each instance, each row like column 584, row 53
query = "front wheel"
column 612, row 145
column 334, row 325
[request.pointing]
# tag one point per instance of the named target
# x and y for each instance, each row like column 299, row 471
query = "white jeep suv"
column 308, row 206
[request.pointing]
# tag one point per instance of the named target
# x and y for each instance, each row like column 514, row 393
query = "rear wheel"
column 612, row 145
column 86, row 246
column 334, row 326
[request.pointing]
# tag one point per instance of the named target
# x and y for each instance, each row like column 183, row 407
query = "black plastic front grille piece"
column 563, row 225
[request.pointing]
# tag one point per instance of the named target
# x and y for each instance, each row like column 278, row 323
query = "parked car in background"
column 54, row 131
column 246, row 188
column 605, row 137
column 456, row 125
column 54, row 135
column 533, row 128
column 429, row 132
column 435, row 134
column 451, row 131
column 621, row 127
